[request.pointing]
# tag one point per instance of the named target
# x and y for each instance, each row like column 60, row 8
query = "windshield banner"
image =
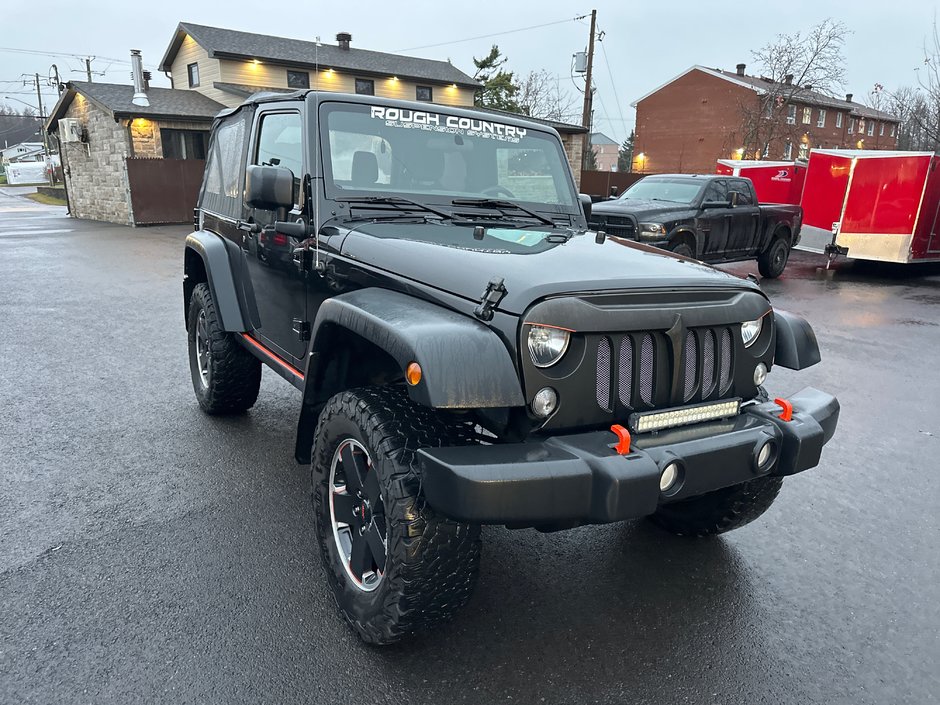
column 436, row 122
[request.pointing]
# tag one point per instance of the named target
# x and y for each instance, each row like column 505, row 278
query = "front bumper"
column 579, row 478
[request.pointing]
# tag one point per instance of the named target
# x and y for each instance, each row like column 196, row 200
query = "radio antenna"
column 316, row 159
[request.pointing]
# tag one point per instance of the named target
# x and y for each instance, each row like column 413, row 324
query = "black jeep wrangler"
column 467, row 351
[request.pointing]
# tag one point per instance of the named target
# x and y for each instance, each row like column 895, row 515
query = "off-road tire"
column 431, row 562
column 719, row 511
column 682, row 248
column 234, row 375
column 772, row 261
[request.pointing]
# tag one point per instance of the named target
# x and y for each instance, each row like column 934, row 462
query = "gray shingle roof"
column 600, row 138
column 221, row 43
column 813, row 97
column 562, row 127
column 116, row 98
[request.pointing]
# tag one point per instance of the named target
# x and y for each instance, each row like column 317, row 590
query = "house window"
column 881, row 130
column 871, row 128
column 424, row 93
column 365, row 86
column 804, row 150
column 298, row 79
column 788, row 150
column 807, row 116
column 184, row 144
column 838, row 119
column 851, row 129
column 766, row 151
column 821, row 121
column 893, row 128
column 791, row 114
column 193, row 71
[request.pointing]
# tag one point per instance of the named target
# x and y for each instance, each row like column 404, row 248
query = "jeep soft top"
column 467, row 351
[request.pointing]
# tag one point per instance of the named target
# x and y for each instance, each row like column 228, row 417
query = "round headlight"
column 547, row 345
column 750, row 330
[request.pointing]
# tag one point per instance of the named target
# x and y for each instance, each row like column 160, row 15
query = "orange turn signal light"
column 787, row 407
column 623, row 439
column 413, row 373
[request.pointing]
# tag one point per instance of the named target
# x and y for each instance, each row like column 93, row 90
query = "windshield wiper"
column 500, row 204
column 398, row 202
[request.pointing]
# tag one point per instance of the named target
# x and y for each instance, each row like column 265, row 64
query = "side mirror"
column 614, row 191
column 269, row 187
column 585, row 205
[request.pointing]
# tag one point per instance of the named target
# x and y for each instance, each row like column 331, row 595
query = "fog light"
column 760, row 373
column 669, row 477
column 765, row 455
column 545, row 401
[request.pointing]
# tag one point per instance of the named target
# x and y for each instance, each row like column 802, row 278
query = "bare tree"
column 927, row 115
column 791, row 65
column 541, row 95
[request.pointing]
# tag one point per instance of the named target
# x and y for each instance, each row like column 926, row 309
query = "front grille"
column 642, row 374
column 614, row 225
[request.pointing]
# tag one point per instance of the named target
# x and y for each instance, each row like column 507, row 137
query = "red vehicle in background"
column 774, row 182
column 872, row 205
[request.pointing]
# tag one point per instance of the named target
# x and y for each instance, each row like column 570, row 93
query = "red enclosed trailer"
column 879, row 205
column 774, row 182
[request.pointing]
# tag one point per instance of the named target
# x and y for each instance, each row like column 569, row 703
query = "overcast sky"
column 645, row 43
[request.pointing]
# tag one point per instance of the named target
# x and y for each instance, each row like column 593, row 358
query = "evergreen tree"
column 499, row 86
column 625, row 155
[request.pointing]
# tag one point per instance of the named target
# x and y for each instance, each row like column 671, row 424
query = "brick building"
column 704, row 114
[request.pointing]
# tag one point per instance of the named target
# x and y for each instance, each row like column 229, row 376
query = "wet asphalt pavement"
column 149, row 553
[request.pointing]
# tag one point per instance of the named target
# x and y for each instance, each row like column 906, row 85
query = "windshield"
column 380, row 151
column 673, row 190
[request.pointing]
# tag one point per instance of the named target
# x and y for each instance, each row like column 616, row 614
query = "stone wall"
column 94, row 172
column 574, row 148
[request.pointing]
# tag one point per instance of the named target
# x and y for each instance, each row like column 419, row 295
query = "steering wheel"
column 499, row 191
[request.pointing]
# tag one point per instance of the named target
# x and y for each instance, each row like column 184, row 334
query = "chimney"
column 137, row 71
column 788, row 79
column 848, row 97
column 740, row 68
column 343, row 39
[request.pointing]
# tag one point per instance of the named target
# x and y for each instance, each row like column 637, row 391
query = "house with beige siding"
column 228, row 66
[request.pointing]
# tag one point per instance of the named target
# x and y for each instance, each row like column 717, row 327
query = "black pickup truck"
column 708, row 217
column 467, row 352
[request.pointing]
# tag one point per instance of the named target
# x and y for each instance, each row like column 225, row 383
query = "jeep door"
column 277, row 140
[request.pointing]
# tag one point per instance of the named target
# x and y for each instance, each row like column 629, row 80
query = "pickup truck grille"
column 615, row 225
column 635, row 371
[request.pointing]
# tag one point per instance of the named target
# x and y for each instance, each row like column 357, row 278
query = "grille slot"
column 690, row 354
column 604, row 395
column 647, row 373
column 625, row 368
column 725, row 361
column 708, row 363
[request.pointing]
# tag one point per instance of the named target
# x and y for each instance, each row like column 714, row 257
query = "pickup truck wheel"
column 682, row 248
column 719, row 511
column 772, row 261
column 226, row 377
column 395, row 566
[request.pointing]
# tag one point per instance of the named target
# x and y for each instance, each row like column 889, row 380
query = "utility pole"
column 588, row 91
column 42, row 123
column 88, row 60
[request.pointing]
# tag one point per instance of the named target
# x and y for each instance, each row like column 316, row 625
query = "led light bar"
column 684, row 416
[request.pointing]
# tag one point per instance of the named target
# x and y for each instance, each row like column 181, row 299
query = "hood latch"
column 494, row 293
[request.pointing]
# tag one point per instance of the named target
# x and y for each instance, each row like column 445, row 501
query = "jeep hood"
column 531, row 262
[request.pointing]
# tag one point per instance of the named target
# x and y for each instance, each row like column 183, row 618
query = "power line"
column 612, row 84
column 495, row 34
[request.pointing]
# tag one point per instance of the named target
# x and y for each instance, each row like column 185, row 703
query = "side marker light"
column 413, row 373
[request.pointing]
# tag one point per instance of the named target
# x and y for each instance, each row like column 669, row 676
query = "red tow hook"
column 787, row 407
column 623, row 439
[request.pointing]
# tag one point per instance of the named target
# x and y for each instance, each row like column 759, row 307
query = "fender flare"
column 797, row 347
column 682, row 231
column 223, row 264
column 464, row 363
